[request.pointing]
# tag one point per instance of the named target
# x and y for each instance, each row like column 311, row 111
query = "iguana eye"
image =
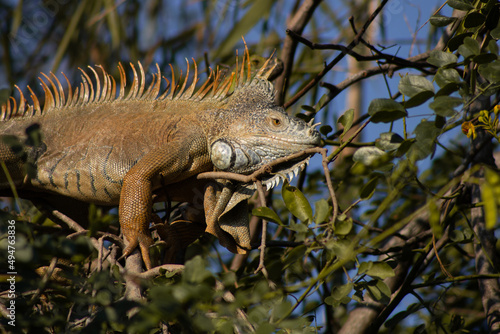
column 276, row 121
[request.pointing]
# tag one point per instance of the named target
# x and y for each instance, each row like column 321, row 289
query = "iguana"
column 104, row 146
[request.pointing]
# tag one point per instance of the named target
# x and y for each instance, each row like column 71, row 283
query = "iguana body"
column 118, row 150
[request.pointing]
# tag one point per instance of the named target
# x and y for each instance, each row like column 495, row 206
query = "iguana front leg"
column 178, row 159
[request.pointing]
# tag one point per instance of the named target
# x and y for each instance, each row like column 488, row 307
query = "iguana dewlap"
column 107, row 147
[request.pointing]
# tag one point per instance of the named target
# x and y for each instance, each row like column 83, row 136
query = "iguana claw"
column 142, row 240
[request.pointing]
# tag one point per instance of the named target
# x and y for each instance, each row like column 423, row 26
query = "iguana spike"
column 165, row 93
column 226, row 86
column 155, row 89
column 22, row 100
column 249, row 66
column 135, row 85
column 315, row 124
column 81, row 97
column 263, row 68
column 237, row 70
column 123, row 82
column 203, row 91
column 192, row 87
column 98, row 85
column 143, row 81
column 186, row 78
column 147, row 93
column 89, row 87
column 14, row 107
column 216, row 82
column 3, row 112
column 112, row 86
column 105, row 85
column 76, row 96
column 36, row 103
column 151, row 91
column 56, row 97
column 69, row 101
column 60, row 90
column 49, row 98
column 172, row 85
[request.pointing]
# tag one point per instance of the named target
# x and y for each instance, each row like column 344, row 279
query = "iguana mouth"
column 287, row 170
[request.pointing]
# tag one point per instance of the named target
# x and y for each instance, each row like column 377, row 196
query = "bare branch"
column 297, row 24
column 337, row 59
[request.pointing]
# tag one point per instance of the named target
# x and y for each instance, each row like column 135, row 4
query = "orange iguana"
column 108, row 148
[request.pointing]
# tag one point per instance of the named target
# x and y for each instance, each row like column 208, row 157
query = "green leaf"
column 474, row 19
column 385, row 110
column 495, row 33
column 342, row 248
column 469, row 48
column 457, row 40
column 343, row 227
column 4, row 95
column 195, row 271
column 418, row 99
column 384, row 289
column 493, row 46
column 369, row 156
column 298, row 227
column 411, row 85
column 369, row 188
column 490, row 71
column 435, row 220
column 388, row 141
column 325, row 129
column 323, row 101
column 295, row 255
column 443, row 105
column 404, row 147
column 445, row 76
column 490, row 205
column 267, row 214
column 346, row 120
column 492, row 18
column 460, row 5
column 321, row 211
column 448, row 89
column 457, row 236
column 440, row 58
column 296, row 202
column 259, row 10
column 340, row 294
column 441, row 21
column 379, row 269
column 425, row 135
column 308, row 108
column 374, row 291
column 485, row 58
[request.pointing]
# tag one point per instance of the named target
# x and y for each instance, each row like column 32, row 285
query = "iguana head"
column 256, row 131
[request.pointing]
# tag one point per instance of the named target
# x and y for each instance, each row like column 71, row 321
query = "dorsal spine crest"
column 217, row 87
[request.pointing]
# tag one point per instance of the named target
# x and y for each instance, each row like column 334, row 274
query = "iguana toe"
column 142, row 240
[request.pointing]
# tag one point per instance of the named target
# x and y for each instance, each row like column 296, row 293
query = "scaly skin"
column 98, row 148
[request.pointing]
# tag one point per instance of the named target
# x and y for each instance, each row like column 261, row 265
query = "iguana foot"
column 144, row 241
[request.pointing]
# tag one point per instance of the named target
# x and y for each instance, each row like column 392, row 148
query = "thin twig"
column 337, row 59
column 262, row 198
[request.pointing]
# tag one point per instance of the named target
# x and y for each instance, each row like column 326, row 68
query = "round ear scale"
column 222, row 154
